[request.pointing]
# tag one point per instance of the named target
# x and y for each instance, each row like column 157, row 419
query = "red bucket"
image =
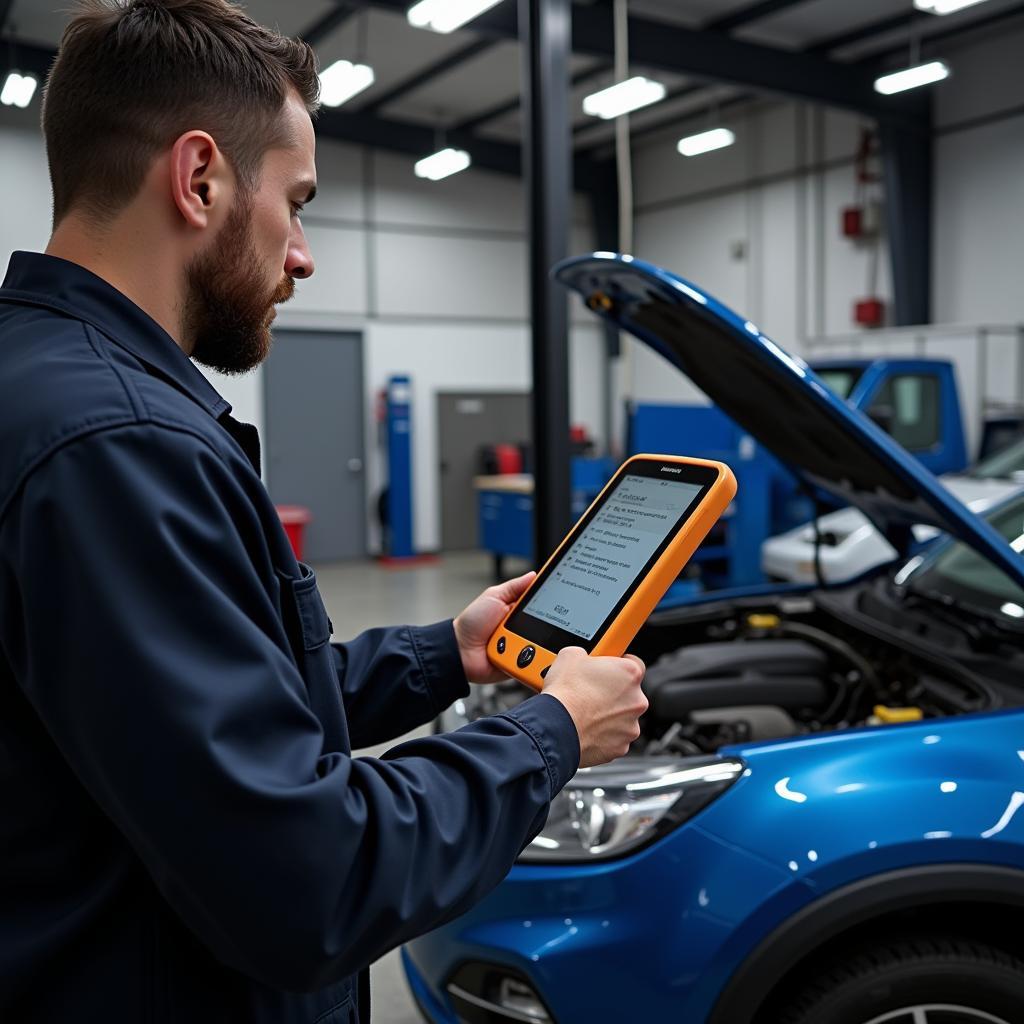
column 294, row 519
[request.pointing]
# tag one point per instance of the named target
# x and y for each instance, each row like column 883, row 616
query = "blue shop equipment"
column 398, row 429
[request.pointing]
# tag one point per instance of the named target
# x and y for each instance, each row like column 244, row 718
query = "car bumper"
column 651, row 937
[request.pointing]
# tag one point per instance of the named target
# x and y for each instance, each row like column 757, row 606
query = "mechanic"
column 183, row 832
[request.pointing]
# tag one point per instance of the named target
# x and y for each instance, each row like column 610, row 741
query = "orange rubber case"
column 645, row 598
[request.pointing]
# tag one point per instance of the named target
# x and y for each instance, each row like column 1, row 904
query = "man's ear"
column 199, row 177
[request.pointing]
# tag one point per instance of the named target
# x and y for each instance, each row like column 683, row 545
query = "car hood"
column 776, row 398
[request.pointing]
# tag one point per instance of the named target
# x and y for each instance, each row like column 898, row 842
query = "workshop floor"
column 362, row 594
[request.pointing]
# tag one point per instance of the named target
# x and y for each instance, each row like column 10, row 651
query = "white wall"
column 978, row 252
column 780, row 189
column 757, row 225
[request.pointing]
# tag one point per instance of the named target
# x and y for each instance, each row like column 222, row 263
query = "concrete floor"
column 359, row 595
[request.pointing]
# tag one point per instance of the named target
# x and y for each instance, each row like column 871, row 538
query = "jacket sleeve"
column 152, row 649
column 393, row 680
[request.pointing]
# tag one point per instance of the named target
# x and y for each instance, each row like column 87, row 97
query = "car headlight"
column 613, row 809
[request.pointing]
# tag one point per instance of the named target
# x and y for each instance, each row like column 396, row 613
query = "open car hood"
column 777, row 399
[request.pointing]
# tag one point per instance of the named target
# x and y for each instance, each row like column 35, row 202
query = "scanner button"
column 544, row 672
column 526, row 655
column 501, row 645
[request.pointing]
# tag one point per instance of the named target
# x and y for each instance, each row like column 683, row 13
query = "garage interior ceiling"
column 707, row 52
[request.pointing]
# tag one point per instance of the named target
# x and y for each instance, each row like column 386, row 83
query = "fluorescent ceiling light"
column 343, row 80
column 18, row 90
column 912, row 78
column 442, row 164
column 944, row 6
column 704, row 142
column 623, row 97
column 447, row 15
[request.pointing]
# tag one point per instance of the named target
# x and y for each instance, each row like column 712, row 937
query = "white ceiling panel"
column 289, row 18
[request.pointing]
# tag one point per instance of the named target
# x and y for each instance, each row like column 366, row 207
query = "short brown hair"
column 132, row 75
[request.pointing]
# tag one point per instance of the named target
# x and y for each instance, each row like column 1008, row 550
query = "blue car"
column 822, row 821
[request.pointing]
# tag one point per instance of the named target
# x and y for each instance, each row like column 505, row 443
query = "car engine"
column 754, row 669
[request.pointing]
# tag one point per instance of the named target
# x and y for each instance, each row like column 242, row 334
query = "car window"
column 961, row 573
column 907, row 406
column 1003, row 465
column 840, row 379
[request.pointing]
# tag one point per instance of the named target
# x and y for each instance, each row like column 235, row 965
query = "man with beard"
column 184, row 834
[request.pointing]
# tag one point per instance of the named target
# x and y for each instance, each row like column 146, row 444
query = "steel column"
column 907, row 169
column 545, row 27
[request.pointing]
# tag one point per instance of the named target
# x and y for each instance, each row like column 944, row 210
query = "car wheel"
column 914, row 981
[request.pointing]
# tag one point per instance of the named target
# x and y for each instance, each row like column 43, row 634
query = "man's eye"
column 297, row 208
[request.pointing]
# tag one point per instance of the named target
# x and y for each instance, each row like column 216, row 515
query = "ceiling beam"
column 755, row 12
column 5, row 13
column 717, row 57
column 508, row 106
column 329, row 23
column 957, row 29
column 419, row 140
column 874, row 28
column 18, row 56
column 421, row 78
column 905, row 21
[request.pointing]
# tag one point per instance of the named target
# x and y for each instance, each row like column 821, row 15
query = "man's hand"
column 603, row 698
column 473, row 628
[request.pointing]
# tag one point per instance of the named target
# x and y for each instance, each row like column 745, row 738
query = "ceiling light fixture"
column 442, row 164
column 446, row 15
column 623, row 97
column 944, row 6
column 343, row 80
column 705, row 142
column 18, row 90
column 912, row 78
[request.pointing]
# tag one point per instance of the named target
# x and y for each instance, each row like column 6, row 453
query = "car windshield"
column 959, row 573
column 840, row 379
column 1003, row 465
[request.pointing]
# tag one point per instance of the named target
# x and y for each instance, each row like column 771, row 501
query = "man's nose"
column 299, row 261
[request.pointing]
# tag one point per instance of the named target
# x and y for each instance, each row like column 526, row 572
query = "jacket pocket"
column 341, row 1013
column 310, row 627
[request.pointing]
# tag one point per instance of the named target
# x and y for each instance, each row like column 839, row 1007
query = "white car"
column 850, row 545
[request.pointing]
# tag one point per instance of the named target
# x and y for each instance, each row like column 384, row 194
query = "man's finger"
column 510, row 590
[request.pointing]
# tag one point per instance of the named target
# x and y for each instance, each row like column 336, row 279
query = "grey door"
column 313, row 394
column 466, row 422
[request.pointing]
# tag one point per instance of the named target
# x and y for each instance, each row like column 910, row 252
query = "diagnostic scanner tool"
column 609, row 573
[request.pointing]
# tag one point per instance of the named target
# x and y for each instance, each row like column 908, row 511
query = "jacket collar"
column 65, row 287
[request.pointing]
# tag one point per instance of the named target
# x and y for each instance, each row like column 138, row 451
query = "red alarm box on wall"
column 869, row 312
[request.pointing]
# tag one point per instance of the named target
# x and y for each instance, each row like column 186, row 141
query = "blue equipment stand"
column 399, row 446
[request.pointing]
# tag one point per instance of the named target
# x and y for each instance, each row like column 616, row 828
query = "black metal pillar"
column 603, row 198
column 545, row 34
column 907, row 169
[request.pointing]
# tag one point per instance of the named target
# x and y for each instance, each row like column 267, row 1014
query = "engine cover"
column 785, row 673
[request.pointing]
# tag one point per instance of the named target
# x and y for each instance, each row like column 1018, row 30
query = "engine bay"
column 753, row 669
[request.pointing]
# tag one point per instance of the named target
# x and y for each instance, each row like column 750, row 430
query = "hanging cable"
column 624, row 176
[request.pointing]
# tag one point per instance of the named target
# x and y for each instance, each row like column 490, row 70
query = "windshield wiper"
column 979, row 624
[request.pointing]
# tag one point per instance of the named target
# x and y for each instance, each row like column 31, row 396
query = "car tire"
column 979, row 984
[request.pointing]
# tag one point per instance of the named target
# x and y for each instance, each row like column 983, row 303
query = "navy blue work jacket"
column 184, row 835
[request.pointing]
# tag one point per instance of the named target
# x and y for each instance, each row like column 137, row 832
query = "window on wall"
column 907, row 406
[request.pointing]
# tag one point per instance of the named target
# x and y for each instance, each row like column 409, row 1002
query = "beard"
column 227, row 314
